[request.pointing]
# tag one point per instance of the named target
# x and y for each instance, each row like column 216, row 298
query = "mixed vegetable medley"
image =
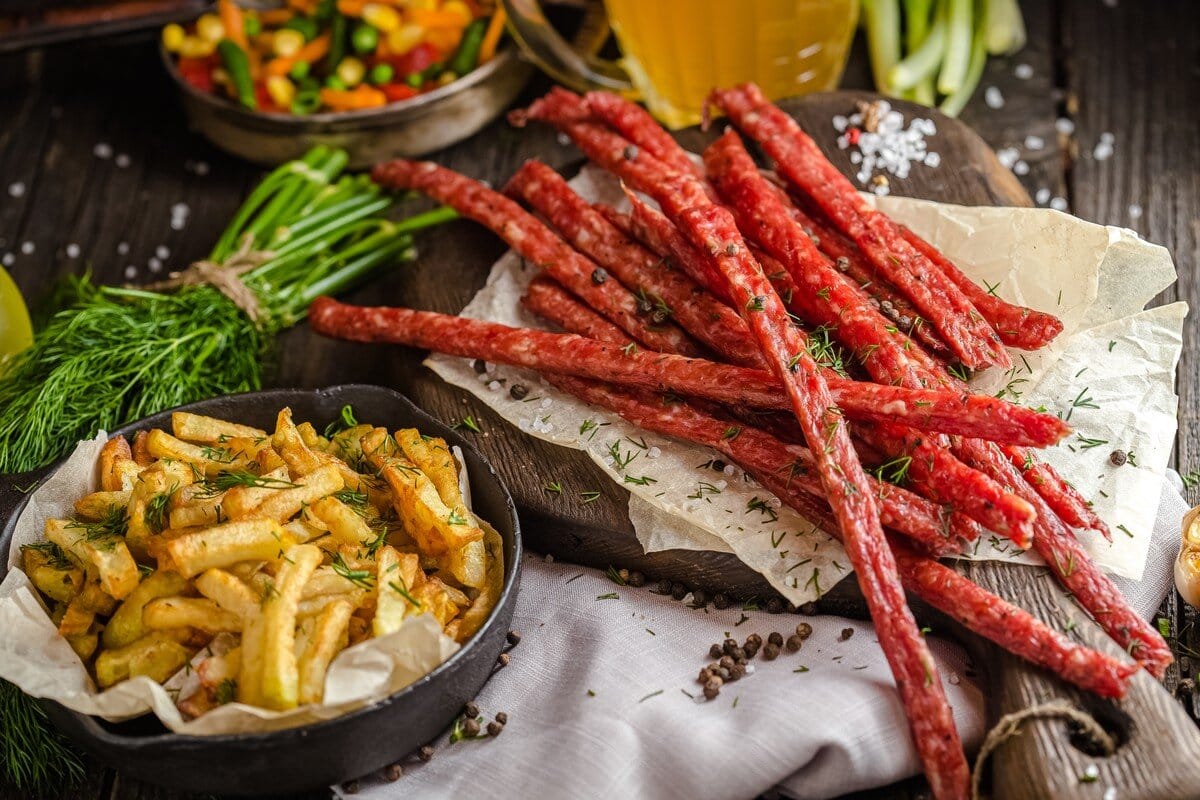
column 334, row 55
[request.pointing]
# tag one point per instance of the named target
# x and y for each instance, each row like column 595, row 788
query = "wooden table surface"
column 1090, row 69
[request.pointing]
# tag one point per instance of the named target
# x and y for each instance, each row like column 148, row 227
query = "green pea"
column 252, row 26
column 306, row 102
column 299, row 70
column 382, row 73
column 364, row 39
column 334, row 82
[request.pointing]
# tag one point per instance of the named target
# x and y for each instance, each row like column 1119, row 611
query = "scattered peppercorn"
column 776, row 638
column 754, row 639
column 678, row 591
column 518, row 391
column 502, row 717
column 726, row 661
column 790, row 607
column 845, row 634
column 720, row 601
column 843, row 263
column 793, row 643
column 514, row 638
column 705, row 674
column 502, row 660
column 731, row 249
column 599, row 275
column 722, row 673
column 644, row 306
column 663, row 587
column 392, row 772
column 737, row 672
column 751, row 650
column 775, row 606
column 425, row 753
column 471, row 727
column 630, row 152
column 771, row 651
column 729, row 645
column 804, row 630
column 494, row 728
column 470, row 711
column 636, row 579
column 715, row 651
column 479, row 365
column 712, row 689
column 1118, row 458
column 739, row 654
column 699, row 598
column 660, row 316
column 808, row 609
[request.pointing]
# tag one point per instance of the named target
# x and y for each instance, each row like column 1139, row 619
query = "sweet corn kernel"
column 195, row 47
column 447, row 77
column 220, row 77
column 405, row 38
column 460, row 10
column 351, row 71
column 281, row 90
column 287, row 42
column 385, row 18
column 210, row 29
column 172, row 37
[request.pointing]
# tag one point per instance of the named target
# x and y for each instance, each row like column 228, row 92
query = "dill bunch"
column 112, row 355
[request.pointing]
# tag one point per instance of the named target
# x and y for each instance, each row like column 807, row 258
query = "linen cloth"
column 597, row 707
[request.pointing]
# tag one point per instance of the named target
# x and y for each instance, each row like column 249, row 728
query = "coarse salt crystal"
column 130, row 272
column 178, row 224
column 28, row 247
column 8, row 259
column 122, row 248
column 122, row 160
column 1102, row 151
column 546, row 403
column 1023, row 71
column 1042, row 196
column 1008, row 156
column 1107, row 137
column 102, row 150
column 16, row 189
column 1034, row 143
column 494, row 386
column 72, row 250
column 953, row 679
column 155, row 265
column 653, row 452
column 1091, row 771
column 162, row 252
column 180, row 209
column 774, row 502
column 1021, row 168
column 840, row 123
column 1058, row 203
column 993, row 97
column 933, row 159
column 729, row 470
column 1135, row 211
column 722, row 485
column 1064, row 126
column 202, row 168
column 1110, row 793
column 563, row 139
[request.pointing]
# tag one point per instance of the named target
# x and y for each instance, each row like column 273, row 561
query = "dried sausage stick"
column 801, row 162
column 537, row 243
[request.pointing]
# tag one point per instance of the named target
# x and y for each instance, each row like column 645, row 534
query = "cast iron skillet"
column 349, row 746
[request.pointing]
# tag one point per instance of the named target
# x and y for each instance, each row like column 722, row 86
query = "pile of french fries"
column 292, row 545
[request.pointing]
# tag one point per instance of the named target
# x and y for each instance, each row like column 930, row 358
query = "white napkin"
column 596, row 704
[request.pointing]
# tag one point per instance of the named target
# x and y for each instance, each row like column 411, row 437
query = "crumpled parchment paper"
column 1111, row 373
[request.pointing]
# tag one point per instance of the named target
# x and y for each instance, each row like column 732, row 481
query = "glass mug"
column 675, row 51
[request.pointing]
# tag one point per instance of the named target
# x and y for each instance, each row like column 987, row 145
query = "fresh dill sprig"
column 225, row 481
column 113, row 524
column 359, row 577
column 34, row 757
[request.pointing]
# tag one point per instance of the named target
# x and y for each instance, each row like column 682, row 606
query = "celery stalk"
column 958, row 47
column 952, row 105
column 926, row 46
column 882, row 19
column 1005, row 27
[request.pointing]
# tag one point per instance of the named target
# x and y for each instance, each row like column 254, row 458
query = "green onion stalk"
column 111, row 355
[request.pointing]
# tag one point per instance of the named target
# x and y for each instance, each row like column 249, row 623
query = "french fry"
column 239, row 501
column 433, row 457
column 327, row 580
column 125, row 626
column 299, row 457
column 52, row 571
column 93, row 597
column 84, row 644
column 141, row 454
column 329, row 636
column 396, row 577
column 200, row 613
column 343, row 522
column 223, row 545
column 435, row 527
column 114, row 451
column 77, row 620
column 97, row 504
column 156, row 655
column 472, row 619
column 312, row 606
column 438, row 599
column 280, row 678
column 210, row 430
column 228, row 591
column 106, row 553
column 150, row 499
column 310, row 437
column 211, row 460
column 283, row 504
column 347, row 444
column 250, row 671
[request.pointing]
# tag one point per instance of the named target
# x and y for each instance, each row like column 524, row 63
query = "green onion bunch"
column 944, row 48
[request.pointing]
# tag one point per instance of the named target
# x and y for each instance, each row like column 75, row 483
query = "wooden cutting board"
column 1159, row 756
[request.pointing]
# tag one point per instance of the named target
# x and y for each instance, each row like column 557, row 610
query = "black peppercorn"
column 479, row 365
column 494, row 728
column 1118, row 458
column 718, row 465
column 514, row 638
column 712, row 689
column 804, row 630
column 808, row 609
column 678, row 591
column 663, row 587
column 737, row 671
column 470, row 711
column 636, row 579
column 771, row 651
column 729, row 645
column 715, row 651
column 502, row 660
column 630, row 152
column 793, row 643
column 726, row 661
column 845, row 634
column 751, row 649
column 502, row 717
column 350, row 787
column 599, row 275
column 518, row 391
column 775, row 606
column 699, row 598
column 776, row 638
column 720, row 601
column 393, row 772
column 470, row 727
column 425, row 753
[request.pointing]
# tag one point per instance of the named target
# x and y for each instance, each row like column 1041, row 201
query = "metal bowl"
column 300, row 759
column 405, row 129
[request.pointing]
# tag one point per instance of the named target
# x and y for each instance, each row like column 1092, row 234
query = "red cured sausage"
column 801, row 162
column 537, row 243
